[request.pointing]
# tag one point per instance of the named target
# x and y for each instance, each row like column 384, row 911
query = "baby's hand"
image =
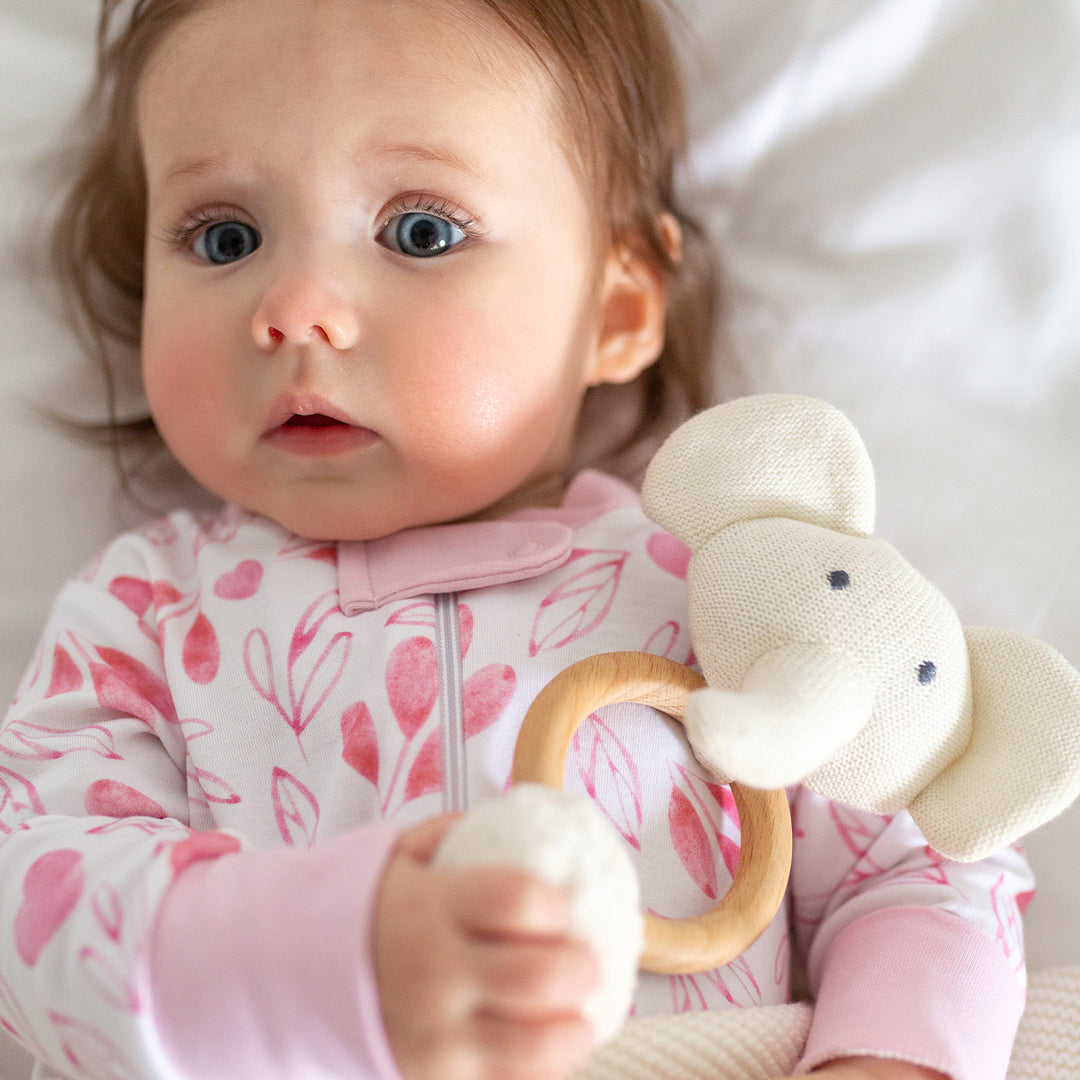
column 478, row 979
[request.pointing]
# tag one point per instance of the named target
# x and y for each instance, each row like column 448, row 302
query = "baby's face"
column 371, row 272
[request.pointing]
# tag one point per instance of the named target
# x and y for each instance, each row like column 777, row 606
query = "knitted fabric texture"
column 726, row 1044
column 977, row 732
column 763, row 1043
column 1048, row 1043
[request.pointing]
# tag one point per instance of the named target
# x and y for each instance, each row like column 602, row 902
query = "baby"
column 383, row 261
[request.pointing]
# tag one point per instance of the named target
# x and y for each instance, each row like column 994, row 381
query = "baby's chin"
column 334, row 510
column 344, row 523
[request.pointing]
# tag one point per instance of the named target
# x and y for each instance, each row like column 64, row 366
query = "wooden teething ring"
column 672, row 946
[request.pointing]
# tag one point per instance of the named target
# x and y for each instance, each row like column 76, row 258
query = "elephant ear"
column 1022, row 765
column 768, row 455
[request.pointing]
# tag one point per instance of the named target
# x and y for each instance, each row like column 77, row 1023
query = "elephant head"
column 830, row 661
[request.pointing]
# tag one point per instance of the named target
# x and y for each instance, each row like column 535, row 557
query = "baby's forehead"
column 438, row 62
column 291, row 93
column 462, row 43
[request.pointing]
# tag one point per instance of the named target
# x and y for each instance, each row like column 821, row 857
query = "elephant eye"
column 927, row 672
column 839, row 579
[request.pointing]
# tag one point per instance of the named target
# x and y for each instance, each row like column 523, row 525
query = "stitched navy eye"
column 927, row 672
column 839, row 580
column 422, row 236
column 226, row 242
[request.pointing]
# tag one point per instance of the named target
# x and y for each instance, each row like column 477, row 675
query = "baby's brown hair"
column 619, row 93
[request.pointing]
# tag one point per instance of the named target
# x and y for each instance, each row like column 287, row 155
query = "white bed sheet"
column 893, row 185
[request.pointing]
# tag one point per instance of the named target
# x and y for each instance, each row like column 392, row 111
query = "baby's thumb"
column 423, row 840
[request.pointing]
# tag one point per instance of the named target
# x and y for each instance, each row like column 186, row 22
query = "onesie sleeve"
column 103, row 837
column 261, row 966
column 908, row 956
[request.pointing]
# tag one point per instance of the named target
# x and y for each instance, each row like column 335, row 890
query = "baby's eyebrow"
column 432, row 152
column 199, row 167
column 427, row 152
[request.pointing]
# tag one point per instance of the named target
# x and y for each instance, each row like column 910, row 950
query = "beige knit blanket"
column 763, row 1043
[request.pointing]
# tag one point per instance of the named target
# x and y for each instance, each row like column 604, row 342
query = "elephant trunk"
column 797, row 706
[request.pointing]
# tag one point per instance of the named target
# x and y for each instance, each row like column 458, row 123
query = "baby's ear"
column 633, row 307
column 769, row 455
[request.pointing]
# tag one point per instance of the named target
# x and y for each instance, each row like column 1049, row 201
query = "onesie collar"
column 472, row 555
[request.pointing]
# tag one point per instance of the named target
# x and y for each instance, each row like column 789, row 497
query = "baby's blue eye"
column 226, row 242
column 422, row 236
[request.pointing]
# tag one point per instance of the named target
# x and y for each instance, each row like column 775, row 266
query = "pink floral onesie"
column 225, row 727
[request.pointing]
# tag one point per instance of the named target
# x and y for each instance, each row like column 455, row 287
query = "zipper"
column 455, row 774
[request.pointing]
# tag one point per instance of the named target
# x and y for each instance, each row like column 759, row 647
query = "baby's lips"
column 295, row 406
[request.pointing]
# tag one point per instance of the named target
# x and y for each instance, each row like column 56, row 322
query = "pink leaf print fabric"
column 33, row 742
column 360, row 744
column 215, row 789
column 610, row 776
column 105, row 978
column 108, row 911
column 701, row 819
column 580, row 602
column 136, row 594
column 130, row 687
column 241, row 583
column 199, row 846
column 201, row 653
column 412, row 691
column 296, row 810
column 17, row 796
column 412, row 683
column 66, row 676
column 1010, row 932
column 311, row 674
column 422, row 613
column 425, row 776
column 52, row 887
column 486, row 694
column 735, row 983
column 259, row 665
column 663, row 640
column 91, row 1051
column 111, row 798
column 669, row 554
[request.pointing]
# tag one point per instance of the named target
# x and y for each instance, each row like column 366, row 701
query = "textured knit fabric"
column 819, row 638
column 1048, row 1042
column 209, row 757
column 761, row 1044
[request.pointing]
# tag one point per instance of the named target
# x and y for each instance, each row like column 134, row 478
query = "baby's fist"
column 478, row 976
column 566, row 841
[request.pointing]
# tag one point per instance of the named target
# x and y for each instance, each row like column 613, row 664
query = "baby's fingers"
column 533, row 982
column 504, row 903
column 537, row 1051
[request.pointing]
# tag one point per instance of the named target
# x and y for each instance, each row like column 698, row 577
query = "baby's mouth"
column 314, row 420
column 318, row 435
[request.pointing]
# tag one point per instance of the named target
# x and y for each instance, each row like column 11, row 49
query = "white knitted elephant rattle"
column 829, row 660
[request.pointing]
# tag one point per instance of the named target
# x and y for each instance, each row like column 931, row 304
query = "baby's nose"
column 306, row 307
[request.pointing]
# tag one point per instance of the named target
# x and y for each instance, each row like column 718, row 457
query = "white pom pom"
column 566, row 841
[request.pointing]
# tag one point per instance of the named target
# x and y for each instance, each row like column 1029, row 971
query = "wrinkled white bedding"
column 893, row 185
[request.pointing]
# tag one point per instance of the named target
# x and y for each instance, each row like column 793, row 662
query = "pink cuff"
column 261, row 966
column 920, row 985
